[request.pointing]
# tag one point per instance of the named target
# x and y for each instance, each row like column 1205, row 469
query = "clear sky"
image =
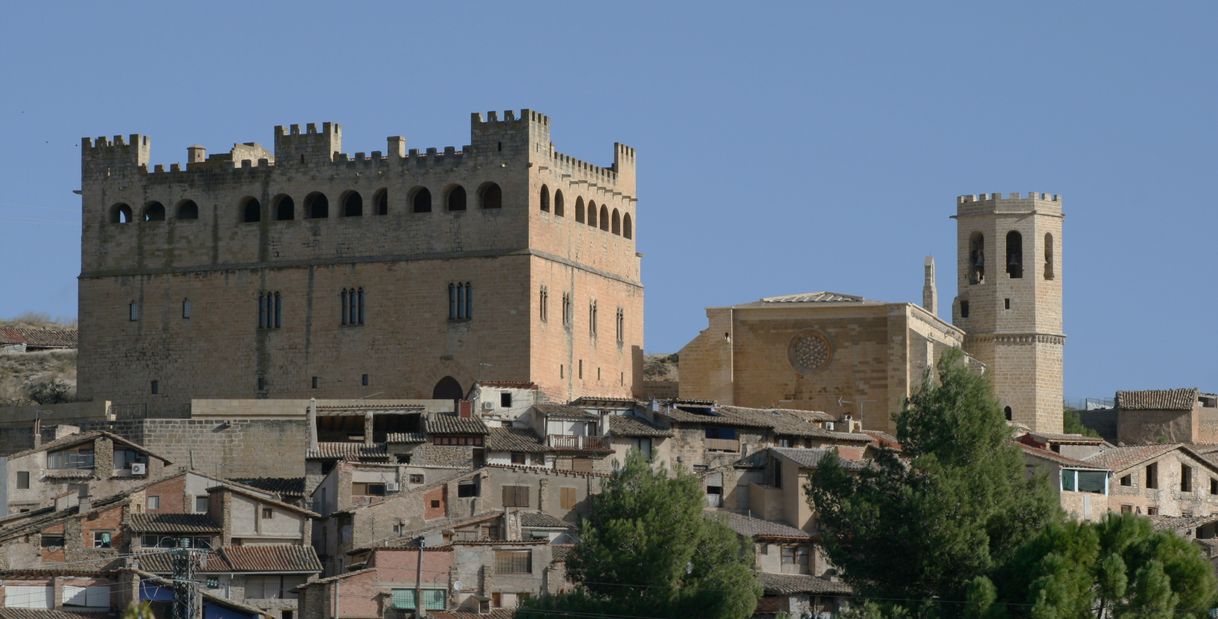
column 782, row 147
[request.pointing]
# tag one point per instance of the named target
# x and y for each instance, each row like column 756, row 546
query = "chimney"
column 465, row 409
column 37, row 432
column 930, row 292
column 312, row 419
column 195, row 154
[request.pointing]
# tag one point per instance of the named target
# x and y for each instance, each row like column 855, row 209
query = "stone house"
column 628, row 432
column 1160, row 480
column 34, row 339
column 383, row 587
column 801, row 595
column 1082, row 487
column 575, row 435
column 94, row 463
column 262, row 576
column 773, row 484
column 1185, row 415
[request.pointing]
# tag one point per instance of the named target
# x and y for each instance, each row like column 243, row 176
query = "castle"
column 858, row 358
column 307, row 272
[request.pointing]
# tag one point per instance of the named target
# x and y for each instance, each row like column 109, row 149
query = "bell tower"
column 1009, row 300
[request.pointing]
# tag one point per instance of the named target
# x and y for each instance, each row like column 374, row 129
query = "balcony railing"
column 723, row 444
column 562, row 441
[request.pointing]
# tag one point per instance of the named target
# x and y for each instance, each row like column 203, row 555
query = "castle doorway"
column 447, row 389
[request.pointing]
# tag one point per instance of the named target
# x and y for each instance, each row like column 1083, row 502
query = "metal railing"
column 562, row 441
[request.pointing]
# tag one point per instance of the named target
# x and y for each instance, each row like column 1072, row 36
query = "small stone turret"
column 930, row 291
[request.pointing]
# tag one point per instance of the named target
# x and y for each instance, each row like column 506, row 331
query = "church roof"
column 822, row 296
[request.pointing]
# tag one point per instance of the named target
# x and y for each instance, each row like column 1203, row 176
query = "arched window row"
column 352, row 313
column 250, row 210
column 615, row 222
column 121, row 213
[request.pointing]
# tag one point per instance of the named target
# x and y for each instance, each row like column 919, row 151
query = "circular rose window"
column 809, row 352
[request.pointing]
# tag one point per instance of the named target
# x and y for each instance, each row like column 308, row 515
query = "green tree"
column 647, row 550
column 955, row 505
column 1072, row 423
column 139, row 610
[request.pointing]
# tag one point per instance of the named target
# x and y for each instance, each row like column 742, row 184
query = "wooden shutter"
column 566, row 498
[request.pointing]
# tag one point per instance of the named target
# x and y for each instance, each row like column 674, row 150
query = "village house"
column 1160, row 480
column 1185, row 415
column 1082, row 488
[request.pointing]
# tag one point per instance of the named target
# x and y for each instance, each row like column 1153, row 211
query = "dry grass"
column 660, row 367
column 20, row 371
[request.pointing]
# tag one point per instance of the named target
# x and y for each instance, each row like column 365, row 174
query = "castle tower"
column 1009, row 300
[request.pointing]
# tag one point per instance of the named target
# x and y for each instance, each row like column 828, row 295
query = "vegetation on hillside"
column 44, row 377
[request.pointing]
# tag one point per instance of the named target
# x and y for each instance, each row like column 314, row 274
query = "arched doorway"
column 447, row 389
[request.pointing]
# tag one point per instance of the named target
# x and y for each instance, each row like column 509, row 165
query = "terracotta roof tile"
column 448, row 423
column 756, row 527
column 1157, row 399
column 543, row 520
column 564, row 411
column 347, row 451
column 1059, row 459
column 282, row 486
column 172, row 523
column 400, row 438
column 1120, row 458
column 810, row 458
column 514, row 439
column 277, row 558
column 629, row 426
column 507, row 384
column 788, row 584
column 39, row 337
column 44, row 613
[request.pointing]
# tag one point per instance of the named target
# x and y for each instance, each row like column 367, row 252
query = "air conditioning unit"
column 139, row 468
column 829, row 426
column 392, row 486
column 488, row 406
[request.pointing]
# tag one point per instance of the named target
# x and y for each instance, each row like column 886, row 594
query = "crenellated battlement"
column 109, row 155
column 997, row 197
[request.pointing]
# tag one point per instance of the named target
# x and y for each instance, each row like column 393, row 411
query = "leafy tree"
column 139, row 610
column 647, row 550
column 1072, row 423
column 1119, row 568
column 952, row 508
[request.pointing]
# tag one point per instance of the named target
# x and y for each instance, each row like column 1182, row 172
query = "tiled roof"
column 1120, row 458
column 172, row 523
column 69, row 473
column 399, row 438
column 514, row 439
column 785, row 421
column 84, row 437
column 559, row 552
column 1068, row 439
column 884, row 439
column 626, row 425
column 283, row 486
column 496, row 613
column 448, row 423
column 756, row 527
column 43, row 613
column 507, row 384
column 263, row 499
column 822, row 296
column 276, row 558
column 39, row 337
column 1157, row 399
column 542, row 520
column 347, row 451
column 564, row 411
column 1058, row 459
column 787, row 584
column 717, row 418
column 608, row 400
column 810, row 458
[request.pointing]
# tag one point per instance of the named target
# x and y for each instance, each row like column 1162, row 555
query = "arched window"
column 545, row 198
column 353, row 308
column 285, row 208
column 976, row 258
column 1014, row 254
column 187, row 210
column 627, row 228
column 1006, row 412
column 120, row 214
column 558, row 203
column 604, row 218
column 345, row 304
column 359, row 315
column 1048, row 256
column 251, row 210
column 317, row 206
column 380, row 202
column 616, row 228
column 592, row 213
column 185, row 309
column 154, row 211
column 490, row 196
column 353, row 204
column 455, row 201
column 447, row 389
column 579, row 209
column 420, row 200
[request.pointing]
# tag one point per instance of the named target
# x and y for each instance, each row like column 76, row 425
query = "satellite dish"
column 457, row 586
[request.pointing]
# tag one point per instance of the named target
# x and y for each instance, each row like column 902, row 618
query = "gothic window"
column 380, row 202
column 592, row 213
column 616, row 227
column 154, row 211
column 420, row 200
column 592, row 319
column 621, row 325
column 285, row 208
column 627, row 228
column 604, row 218
column 251, row 210
column 455, row 201
column 187, row 210
column 359, row 315
column 1048, row 256
column 353, row 204
column 120, row 214
column 460, row 301
column 316, row 206
column 976, row 258
column 185, row 309
column 545, row 294
column 490, row 196
column 1014, row 254
column 270, row 310
column 133, row 311
column 545, row 198
column 558, row 203
column 566, row 309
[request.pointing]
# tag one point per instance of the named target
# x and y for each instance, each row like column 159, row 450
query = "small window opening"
column 154, row 211
column 420, row 202
column 627, row 227
column 1006, row 303
column 353, row 204
column 592, row 213
column 187, row 210
column 976, row 258
column 185, row 309
column 251, row 211
column 1006, row 412
column 579, row 209
column 317, row 206
column 363, row 380
column 120, row 214
column 156, row 387
column 544, row 198
column 285, row 208
column 380, row 202
column 490, row 196
column 133, row 311
column 1152, row 475
column 456, row 199
column 1186, row 478
column 316, row 382
column 505, row 399
column 964, row 309
column 1127, row 480
column 558, row 203
column 1048, row 256
column 1014, row 255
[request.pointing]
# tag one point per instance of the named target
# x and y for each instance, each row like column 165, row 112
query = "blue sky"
column 782, row 147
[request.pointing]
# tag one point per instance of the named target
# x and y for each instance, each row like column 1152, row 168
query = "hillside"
column 43, row 376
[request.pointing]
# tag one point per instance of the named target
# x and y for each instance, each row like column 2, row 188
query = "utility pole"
column 183, row 584
column 419, row 606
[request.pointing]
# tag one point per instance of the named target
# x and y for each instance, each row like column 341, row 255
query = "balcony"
column 564, row 442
